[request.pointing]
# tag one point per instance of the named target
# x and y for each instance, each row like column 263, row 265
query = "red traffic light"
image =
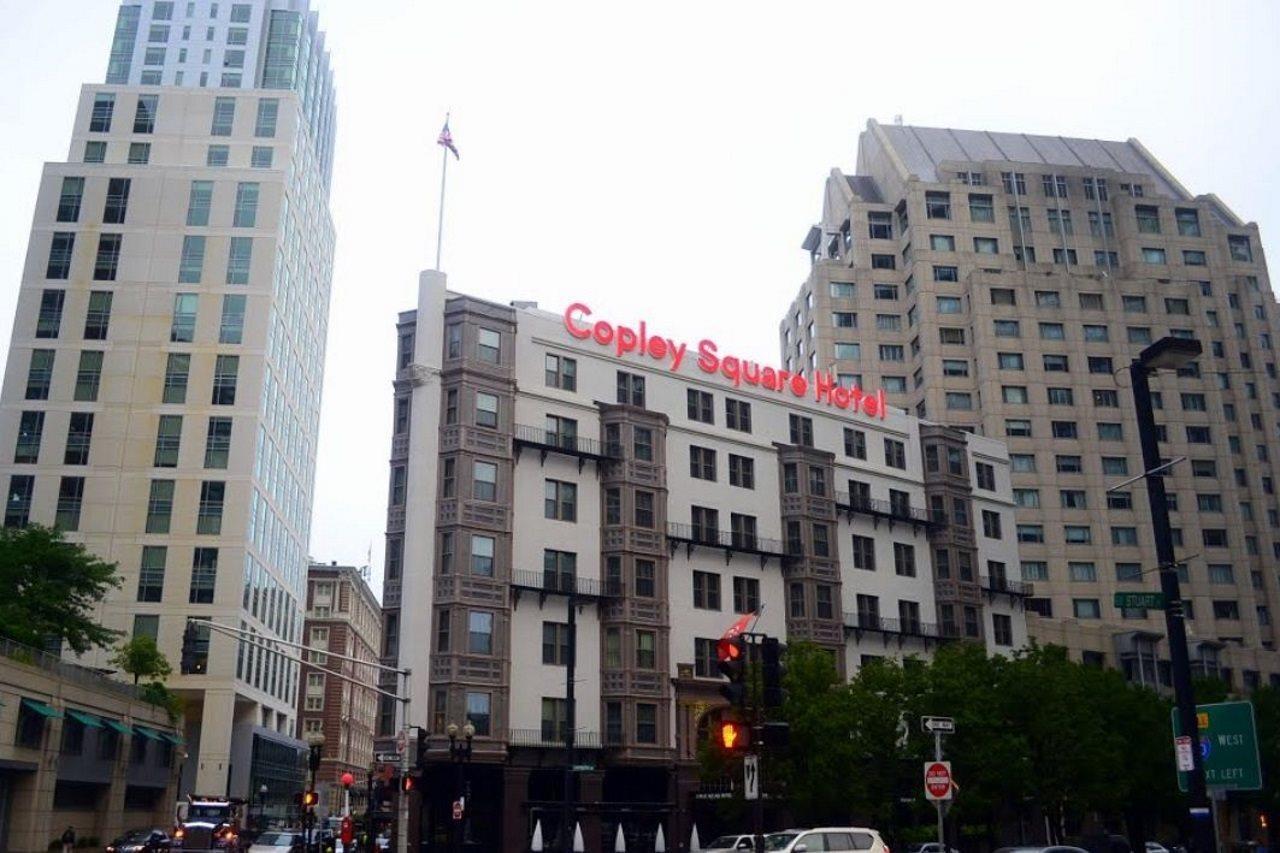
column 347, row 780
column 407, row 784
column 733, row 736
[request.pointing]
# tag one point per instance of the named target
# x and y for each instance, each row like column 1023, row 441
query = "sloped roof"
column 921, row 149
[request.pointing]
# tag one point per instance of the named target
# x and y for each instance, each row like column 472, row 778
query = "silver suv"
column 826, row 838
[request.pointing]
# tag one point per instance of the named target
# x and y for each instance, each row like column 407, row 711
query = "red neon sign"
column 624, row 340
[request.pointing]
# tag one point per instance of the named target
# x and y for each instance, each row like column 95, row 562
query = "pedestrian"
column 68, row 839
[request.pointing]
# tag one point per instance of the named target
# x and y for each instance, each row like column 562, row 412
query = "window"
column 88, row 376
column 959, row 400
column 1017, row 428
column 217, row 444
column 1152, row 255
column 479, row 632
column 986, row 245
column 904, row 559
column 1138, row 334
column 1060, row 396
column 175, row 378
column 706, row 590
column 742, row 471
column 1077, row 534
column 1003, row 296
column 644, row 516
column 630, row 389
column 848, row 351
column 108, row 258
column 1068, row 464
column 801, row 430
column 1096, row 334
column 1148, row 219
column 864, row 553
column 168, row 441
column 1007, row 329
column 1226, row 610
column 1014, row 394
column 204, row 575
column 79, row 436
column 642, row 443
column 991, row 524
column 1002, row 629
column 1193, row 258
column 1052, row 332
column 30, row 430
column 225, row 371
column 1009, row 361
column 191, row 264
column 937, row 205
column 484, row 481
column 842, row 290
column 104, row 104
column 217, row 155
column 895, row 453
column 182, row 327
column 883, row 262
column 646, row 650
column 746, row 595
column 981, row 208
column 1027, row 498
column 949, row 305
column 880, row 225
column 951, row 336
column 231, row 329
column 209, row 516
column 561, row 500
column 488, row 346
column 1125, row 536
column 224, row 113
column 1100, row 364
column 561, row 372
column 701, row 406
column 1239, row 248
column 942, row 243
column 1086, row 608
column 246, row 209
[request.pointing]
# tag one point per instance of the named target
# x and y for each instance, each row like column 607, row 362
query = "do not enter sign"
column 937, row 780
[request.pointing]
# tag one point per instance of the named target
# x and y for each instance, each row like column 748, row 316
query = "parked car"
column 140, row 841
column 286, row 841
column 930, row 847
column 827, row 838
column 1154, row 847
column 1057, row 848
column 731, row 842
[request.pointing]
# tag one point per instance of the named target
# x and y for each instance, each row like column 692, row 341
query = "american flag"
column 446, row 139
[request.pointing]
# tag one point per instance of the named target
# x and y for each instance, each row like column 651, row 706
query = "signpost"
column 1228, row 747
column 938, row 783
column 1139, row 600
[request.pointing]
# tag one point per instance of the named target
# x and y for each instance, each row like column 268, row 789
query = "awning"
column 150, row 734
column 117, row 726
column 176, row 740
column 42, row 709
column 88, row 720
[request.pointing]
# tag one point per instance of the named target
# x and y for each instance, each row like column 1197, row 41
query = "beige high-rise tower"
column 162, row 393
column 1002, row 283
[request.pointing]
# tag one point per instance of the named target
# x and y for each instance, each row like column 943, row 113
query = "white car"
column 278, row 842
column 731, row 842
column 826, row 838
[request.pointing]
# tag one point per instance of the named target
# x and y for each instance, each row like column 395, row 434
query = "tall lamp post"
column 460, row 754
column 315, row 742
column 1170, row 354
column 368, row 807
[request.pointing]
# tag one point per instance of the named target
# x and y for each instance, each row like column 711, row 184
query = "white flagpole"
column 444, row 172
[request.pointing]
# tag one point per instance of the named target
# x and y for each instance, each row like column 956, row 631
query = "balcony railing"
column 1006, row 586
column 561, row 583
column 887, row 625
column 551, row 736
column 570, row 444
column 888, row 509
column 728, row 540
column 64, row 669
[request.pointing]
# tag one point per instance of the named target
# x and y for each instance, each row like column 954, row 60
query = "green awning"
column 117, row 726
column 42, row 709
column 150, row 734
column 176, row 740
column 88, row 720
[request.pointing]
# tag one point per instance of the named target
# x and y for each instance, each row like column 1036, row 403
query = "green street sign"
column 1228, row 746
column 1140, row 600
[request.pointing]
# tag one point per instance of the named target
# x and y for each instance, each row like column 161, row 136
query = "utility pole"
column 942, row 827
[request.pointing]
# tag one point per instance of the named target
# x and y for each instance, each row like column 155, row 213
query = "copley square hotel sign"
column 624, row 340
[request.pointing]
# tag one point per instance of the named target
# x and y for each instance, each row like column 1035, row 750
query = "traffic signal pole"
column 757, row 735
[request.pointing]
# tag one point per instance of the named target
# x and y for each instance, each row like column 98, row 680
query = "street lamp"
column 368, row 806
column 262, row 806
column 460, row 754
column 315, row 743
column 1170, row 354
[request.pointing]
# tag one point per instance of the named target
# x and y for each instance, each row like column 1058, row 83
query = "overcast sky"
column 658, row 159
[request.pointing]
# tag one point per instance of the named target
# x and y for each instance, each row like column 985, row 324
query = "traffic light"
column 771, row 669
column 190, row 638
column 407, row 784
column 310, row 799
column 731, row 655
column 733, row 736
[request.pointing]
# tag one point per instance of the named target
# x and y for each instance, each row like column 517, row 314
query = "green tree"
column 140, row 657
column 51, row 589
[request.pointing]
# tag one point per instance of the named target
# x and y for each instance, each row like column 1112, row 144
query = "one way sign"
column 751, row 777
column 938, row 725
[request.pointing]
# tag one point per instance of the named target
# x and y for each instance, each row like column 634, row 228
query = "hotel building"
column 1001, row 283
column 543, row 462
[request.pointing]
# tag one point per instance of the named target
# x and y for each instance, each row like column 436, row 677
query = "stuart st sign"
column 639, row 341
